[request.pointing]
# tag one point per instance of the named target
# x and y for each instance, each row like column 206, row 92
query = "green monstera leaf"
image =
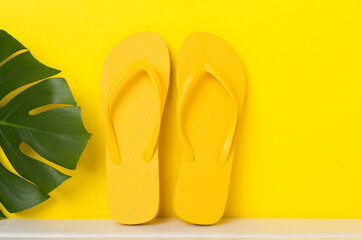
column 56, row 134
column 2, row 216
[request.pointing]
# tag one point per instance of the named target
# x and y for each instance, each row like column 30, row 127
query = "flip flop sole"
column 211, row 86
column 135, row 113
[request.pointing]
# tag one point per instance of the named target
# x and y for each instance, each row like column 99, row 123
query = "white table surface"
column 177, row 229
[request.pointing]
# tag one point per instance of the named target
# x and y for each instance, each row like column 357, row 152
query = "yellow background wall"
column 299, row 152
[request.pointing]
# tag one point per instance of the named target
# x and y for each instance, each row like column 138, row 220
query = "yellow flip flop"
column 134, row 85
column 211, row 86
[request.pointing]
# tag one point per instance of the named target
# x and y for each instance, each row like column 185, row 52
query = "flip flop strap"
column 192, row 77
column 115, row 88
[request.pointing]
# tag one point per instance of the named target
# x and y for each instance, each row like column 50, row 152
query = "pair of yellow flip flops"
column 134, row 85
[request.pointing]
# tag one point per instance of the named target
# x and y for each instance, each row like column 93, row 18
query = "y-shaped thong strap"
column 114, row 89
column 192, row 77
